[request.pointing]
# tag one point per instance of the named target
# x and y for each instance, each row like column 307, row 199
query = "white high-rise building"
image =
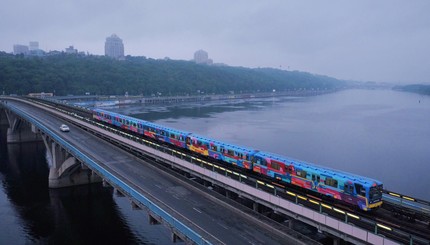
column 20, row 49
column 71, row 50
column 201, row 57
column 114, row 47
column 34, row 46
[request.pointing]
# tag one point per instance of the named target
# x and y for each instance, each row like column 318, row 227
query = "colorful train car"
column 232, row 154
column 121, row 121
column 366, row 193
column 164, row 134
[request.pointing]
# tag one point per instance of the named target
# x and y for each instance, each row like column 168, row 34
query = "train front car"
column 350, row 189
column 374, row 195
column 231, row 154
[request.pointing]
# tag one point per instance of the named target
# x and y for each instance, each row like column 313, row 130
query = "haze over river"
column 381, row 134
column 377, row 133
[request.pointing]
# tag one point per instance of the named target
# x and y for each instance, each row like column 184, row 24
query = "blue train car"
column 366, row 193
column 122, row 121
column 235, row 155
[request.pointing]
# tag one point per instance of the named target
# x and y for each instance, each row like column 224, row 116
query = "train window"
column 213, row 147
column 349, row 189
column 173, row 136
column 301, row 173
column 275, row 165
column 330, row 182
column 181, row 138
column 221, row 149
column 315, row 177
column 360, row 190
column 290, row 169
column 260, row 161
column 230, row 152
column 134, row 125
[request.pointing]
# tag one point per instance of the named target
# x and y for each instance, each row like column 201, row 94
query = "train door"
column 259, row 164
column 348, row 188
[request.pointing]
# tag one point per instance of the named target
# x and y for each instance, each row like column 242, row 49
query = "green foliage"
column 415, row 88
column 73, row 74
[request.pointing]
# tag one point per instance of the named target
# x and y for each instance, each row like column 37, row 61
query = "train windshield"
column 375, row 193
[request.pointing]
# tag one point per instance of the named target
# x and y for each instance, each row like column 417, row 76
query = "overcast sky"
column 364, row 40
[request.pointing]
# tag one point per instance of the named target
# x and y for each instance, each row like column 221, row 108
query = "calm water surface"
column 380, row 134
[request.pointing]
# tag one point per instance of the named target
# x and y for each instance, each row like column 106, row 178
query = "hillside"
column 415, row 88
column 72, row 74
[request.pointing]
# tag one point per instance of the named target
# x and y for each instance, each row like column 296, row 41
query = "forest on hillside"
column 65, row 74
column 415, row 88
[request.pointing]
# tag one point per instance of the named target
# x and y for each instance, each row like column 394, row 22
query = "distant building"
column 20, row 49
column 114, row 47
column 34, row 49
column 71, row 50
column 34, row 46
column 201, row 57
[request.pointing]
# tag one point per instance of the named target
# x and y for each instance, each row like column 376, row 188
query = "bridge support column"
column 175, row 238
column 64, row 169
column 227, row 194
column 336, row 241
column 255, row 206
column 152, row 220
column 20, row 131
column 3, row 118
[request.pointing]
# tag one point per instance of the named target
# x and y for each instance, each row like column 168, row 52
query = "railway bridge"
column 80, row 157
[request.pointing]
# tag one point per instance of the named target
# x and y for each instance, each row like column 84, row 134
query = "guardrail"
column 182, row 228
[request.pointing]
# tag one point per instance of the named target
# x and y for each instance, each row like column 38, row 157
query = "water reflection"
column 32, row 213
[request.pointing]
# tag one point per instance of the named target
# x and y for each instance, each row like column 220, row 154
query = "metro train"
column 351, row 189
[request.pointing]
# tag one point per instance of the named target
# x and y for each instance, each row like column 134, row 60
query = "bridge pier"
column 19, row 131
column 64, row 169
column 176, row 238
column 152, row 220
column 3, row 118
